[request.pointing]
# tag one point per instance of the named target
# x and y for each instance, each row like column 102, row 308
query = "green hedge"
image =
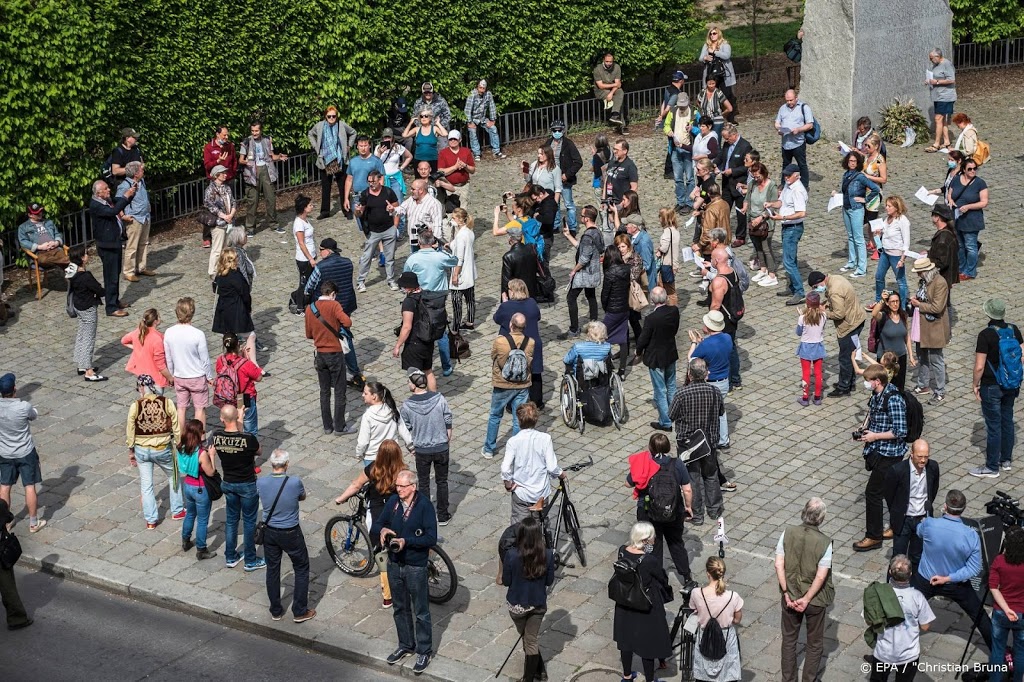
column 79, row 72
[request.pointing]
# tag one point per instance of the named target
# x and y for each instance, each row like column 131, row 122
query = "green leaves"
column 983, row 21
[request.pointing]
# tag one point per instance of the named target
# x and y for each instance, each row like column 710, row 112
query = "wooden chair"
column 35, row 265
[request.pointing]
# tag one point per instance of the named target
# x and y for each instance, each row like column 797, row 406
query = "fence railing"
column 300, row 170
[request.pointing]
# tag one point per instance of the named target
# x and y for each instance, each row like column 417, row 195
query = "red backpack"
column 226, row 386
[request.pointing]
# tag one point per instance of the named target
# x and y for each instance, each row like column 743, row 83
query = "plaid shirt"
column 697, row 406
column 887, row 411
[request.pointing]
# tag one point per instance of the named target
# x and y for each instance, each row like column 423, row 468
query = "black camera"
column 394, row 545
column 507, row 197
column 435, row 176
column 858, row 434
column 1006, row 508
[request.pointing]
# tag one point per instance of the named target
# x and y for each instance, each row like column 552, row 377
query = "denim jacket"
column 856, row 184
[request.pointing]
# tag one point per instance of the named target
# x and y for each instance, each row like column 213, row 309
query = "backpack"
column 915, row 416
column 431, row 321
column 813, row 135
column 662, row 498
column 516, row 369
column 10, row 548
column 226, row 385
column 716, row 69
column 982, row 152
column 626, row 587
column 732, row 303
column 712, row 639
column 794, row 49
column 742, row 274
column 69, row 306
column 1010, row 372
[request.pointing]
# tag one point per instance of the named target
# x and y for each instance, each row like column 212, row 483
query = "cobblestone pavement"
column 781, row 455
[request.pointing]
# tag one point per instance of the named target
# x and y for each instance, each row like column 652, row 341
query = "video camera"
column 1006, row 508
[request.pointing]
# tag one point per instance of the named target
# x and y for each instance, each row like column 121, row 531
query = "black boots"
column 534, row 669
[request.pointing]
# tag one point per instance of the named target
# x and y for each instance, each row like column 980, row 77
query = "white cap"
column 454, row 135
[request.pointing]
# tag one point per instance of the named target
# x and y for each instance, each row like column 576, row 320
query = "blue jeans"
column 445, row 351
column 289, row 541
column 409, row 592
column 1001, row 626
column 500, row 397
column 791, row 235
column 570, row 210
column 251, row 419
column 147, row 458
column 492, row 135
column 682, row 169
column 885, row 261
column 197, row 512
column 968, row 253
column 799, row 155
column 664, row 383
column 723, row 423
column 857, row 252
column 240, row 499
column 351, row 361
column 997, row 409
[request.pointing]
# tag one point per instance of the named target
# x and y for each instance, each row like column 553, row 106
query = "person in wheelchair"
column 592, row 352
column 589, row 367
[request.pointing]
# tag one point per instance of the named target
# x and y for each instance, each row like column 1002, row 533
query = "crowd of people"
column 726, row 194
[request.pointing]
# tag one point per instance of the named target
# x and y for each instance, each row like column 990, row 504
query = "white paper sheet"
column 875, row 225
column 944, row 150
column 687, row 254
column 690, row 222
column 925, row 198
column 911, row 137
column 844, row 148
column 912, row 255
column 929, row 75
column 835, row 201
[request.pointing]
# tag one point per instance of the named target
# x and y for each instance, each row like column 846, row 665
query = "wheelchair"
column 592, row 391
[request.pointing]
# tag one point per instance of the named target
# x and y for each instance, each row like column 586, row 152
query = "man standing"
column 803, row 565
column 727, row 298
column 792, row 208
column 238, row 451
column 734, row 173
column 935, row 331
column 657, row 347
column 622, row 174
column 429, row 419
column 257, row 157
column 408, row 528
column 481, row 112
column 331, row 139
column 136, row 216
column 333, row 267
column 585, row 275
column 795, row 119
column 431, row 268
column 511, row 358
column 357, row 178
column 698, row 407
column 678, row 129
column 324, row 319
column 150, row 433
column 18, row 455
column 898, row 647
column 608, row 89
column 107, row 230
column 715, row 348
column 437, row 104
column 415, row 350
column 17, row 616
column 884, row 441
column 220, row 151
column 942, row 85
column 843, row 308
column 910, row 490
column 951, row 556
column 124, row 153
column 42, row 237
column 188, row 360
column 569, row 164
column 376, row 209
column 519, row 262
column 457, row 164
column 529, row 465
column 997, row 379
column 421, row 212
column 670, row 97
column 280, row 494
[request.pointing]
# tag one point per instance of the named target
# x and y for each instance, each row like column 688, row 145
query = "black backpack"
column 626, row 587
column 431, row 321
column 915, row 416
column 733, row 307
column 712, row 640
column 662, row 497
column 716, row 69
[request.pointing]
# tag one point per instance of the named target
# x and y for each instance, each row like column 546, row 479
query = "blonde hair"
column 714, row 45
column 705, row 164
column 227, row 261
column 517, row 290
column 812, row 316
column 667, row 217
column 185, row 309
column 897, row 202
column 597, row 332
column 715, row 567
column 463, row 217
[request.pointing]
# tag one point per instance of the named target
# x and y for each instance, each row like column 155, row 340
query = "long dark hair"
column 612, row 257
column 191, row 436
column 383, row 393
column 530, row 544
column 1014, row 548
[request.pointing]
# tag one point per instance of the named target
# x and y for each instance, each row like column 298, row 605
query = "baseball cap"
column 427, row 87
column 678, row 76
column 7, row 382
column 454, row 135
column 330, row 244
column 129, row 132
column 388, row 132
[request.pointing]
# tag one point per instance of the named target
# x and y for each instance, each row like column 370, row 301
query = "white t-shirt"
column 392, row 158
column 187, row 354
column 902, row 643
column 301, row 225
column 794, row 200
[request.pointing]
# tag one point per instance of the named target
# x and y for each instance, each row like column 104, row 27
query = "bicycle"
column 567, row 516
column 348, row 543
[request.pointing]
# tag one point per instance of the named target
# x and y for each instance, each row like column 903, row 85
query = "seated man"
column 41, row 237
column 608, row 87
column 593, row 352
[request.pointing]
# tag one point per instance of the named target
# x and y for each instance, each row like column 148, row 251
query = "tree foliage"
column 982, row 21
column 78, row 73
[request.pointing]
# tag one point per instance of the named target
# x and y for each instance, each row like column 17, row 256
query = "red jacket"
column 225, row 155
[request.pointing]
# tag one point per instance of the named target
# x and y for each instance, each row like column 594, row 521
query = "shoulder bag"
column 10, row 548
column 637, row 297
column 345, row 347
column 261, row 527
column 211, row 483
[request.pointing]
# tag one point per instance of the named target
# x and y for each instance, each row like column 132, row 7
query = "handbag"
column 761, row 229
column 546, row 281
column 10, row 548
column 333, row 168
column 458, row 344
column 69, row 306
column 637, row 297
column 206, row 218
column 261, row 527
column 212, row 484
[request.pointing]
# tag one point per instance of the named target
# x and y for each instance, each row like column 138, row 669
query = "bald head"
column 720, row 259
column 517, row 323
column 229, row 415
column 919, row 453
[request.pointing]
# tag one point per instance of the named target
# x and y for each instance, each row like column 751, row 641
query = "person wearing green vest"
column 803, row 564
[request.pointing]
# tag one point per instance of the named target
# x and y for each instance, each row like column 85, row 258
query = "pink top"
column 715, row 604
column 147, row 357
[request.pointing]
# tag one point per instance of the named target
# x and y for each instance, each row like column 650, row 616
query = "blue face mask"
column 951, row 164
column 557, row 134
column 820, row 288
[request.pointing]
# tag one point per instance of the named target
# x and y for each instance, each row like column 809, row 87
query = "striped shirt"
column 426, row 212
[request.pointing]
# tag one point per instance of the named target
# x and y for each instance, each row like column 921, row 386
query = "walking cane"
column 511, row 651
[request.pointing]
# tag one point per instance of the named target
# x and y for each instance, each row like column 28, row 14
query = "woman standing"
column 636, row 272
column 425, row 132
column 191, row 456
column 857, row 191
column 894, row 238
column 954, row 166
column 713, row 106
column 86, row 295
column 463, row 279
column 147, row 344
column 931, row 319
column 705, row 144
column 545, row 172
column 615, row 302
column 233, row 312
column 237, row 239
column 528, row 569
column 876, row 171
column 668, row 251
column 725, row 606
column 643, row 633
column 967, row 197
column 380, row 422
column 892, row 333
column 585, row 275
column 520, row 215
column 761, row 190
column 380, row 474
column 717, row 47
column 1005, row 577
column 218, row 201
column 305, row 247
column 601, row 154
column 519, row 301
column 396, row 158
column 248, row 374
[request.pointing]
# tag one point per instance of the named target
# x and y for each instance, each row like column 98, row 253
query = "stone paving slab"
column 781, row 455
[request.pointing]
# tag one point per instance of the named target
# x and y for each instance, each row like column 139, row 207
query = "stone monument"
column 860, row 54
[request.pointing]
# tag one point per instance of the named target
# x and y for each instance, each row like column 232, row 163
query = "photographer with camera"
column 1006, row 580
column 882, row 433
column 421, row 211
column 408, row 528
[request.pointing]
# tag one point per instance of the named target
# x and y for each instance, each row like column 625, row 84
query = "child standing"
column 810, row 327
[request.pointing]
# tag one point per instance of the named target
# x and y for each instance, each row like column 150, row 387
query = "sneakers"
column 202, row 554
column 571, row 334
column 847, row 268
column 308, row 615
column 922, row 390
column 361, row 287
column 444, row 522
column 1006, row 466
column 768, row 281
column 391, row 285
column 206, row 243
column 983, row 472
column 858, row 275
column 795, row 299
column 759, row 276
column 280, row 229
column 500, row 155
column 278, row 617
column 936, row 399
column 422, row 661
column 485, row 454
column 476, row 157
column 804, row 402
column 260, row 563
column 232, row 563
column 397, row 655
column 180, row 516
column 728, row 487
column 386, row 603
column 817, row 400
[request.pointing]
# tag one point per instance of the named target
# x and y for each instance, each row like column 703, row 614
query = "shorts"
column 418, row 355
column 195, row 391
column 27, row 468
column 943, row 108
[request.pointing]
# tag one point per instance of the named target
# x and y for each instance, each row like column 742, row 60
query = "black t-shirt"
column 237, row 451
column 375, row 209
column 620, row 175
column 122, row 157
column 374, row 500
column 410, row 304
column 988, row 343
column 544, row 212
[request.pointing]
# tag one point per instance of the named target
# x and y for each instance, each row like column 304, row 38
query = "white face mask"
column 867, row 385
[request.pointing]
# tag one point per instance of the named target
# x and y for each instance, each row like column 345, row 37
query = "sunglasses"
column 425, row 118
column 331, row 116
column 971, row 168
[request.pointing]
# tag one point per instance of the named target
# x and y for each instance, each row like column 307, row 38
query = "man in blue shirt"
column 357, row 176
column 136, row 219
column 431, row 267
column 793, row 120
column 951, row 557
column 714, row 347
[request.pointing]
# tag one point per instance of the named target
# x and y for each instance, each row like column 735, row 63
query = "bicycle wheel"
column 442, row 581
column 618, row 401
column 572, row 524
column 567, row 402
column 348, row 543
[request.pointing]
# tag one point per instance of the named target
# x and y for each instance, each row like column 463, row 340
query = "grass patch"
column 770, row 38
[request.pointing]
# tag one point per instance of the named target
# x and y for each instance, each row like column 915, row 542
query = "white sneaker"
column 769, row 281
column 759, row 276
column 360, row 287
